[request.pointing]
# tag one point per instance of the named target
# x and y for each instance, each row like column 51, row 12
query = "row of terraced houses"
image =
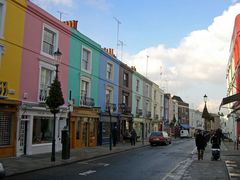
column 91, row 77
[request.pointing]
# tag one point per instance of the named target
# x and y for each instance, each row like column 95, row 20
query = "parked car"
column 159, row 137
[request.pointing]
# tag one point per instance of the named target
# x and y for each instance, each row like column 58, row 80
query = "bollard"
column 2, row 172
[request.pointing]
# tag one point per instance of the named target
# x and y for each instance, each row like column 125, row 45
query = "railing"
column 111, row 105
column 139, row 112
column 124, row 108
column 43, row 94
column 148, row 115
column 87, row 101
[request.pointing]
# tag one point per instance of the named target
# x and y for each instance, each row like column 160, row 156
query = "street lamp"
column 205, row 113
column 110, row 110
column 205, row 98
column 55, row 99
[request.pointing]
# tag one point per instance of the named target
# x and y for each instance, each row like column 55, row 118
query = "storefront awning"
column 185, row 126
column 230, row 99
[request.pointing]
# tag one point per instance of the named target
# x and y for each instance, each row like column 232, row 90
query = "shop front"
column 8, row 122
column 35, row 129
column 106, row 125
column 83, row 127
column 138, row 125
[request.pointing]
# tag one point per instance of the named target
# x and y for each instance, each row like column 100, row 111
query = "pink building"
column 44, row 34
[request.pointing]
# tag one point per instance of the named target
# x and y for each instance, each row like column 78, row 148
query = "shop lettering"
column 3, row 88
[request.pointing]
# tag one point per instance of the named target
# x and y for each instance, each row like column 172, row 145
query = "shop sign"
column 3, row 89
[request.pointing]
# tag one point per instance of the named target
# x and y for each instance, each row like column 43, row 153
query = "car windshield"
column 156, row 134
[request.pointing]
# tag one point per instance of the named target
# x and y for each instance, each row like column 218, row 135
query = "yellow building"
column 12, row 17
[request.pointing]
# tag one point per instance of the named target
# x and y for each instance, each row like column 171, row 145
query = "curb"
column 65, row 163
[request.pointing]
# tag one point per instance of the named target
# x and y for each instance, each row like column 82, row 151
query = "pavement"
column 228, row 167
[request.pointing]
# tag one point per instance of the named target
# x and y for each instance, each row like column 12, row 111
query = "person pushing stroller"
column 216, row 142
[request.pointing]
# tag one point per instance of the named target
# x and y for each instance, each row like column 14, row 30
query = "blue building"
column 108, row 94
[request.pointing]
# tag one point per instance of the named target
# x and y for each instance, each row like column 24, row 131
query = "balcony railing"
column 124, row 108
column 139, row 112
column 148, row 114
column 87, row 101
column 43, row 94
column 111, row 105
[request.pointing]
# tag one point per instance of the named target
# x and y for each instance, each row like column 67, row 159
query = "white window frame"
column 3, row 2
column 111, row 95
column 137, row 85
column 49, row 67
column 111, row 72
column 90, row 60
column 55, row 46
column 147, row 90
column 86, row 79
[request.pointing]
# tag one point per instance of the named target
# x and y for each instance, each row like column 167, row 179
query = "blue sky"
column 187, row 41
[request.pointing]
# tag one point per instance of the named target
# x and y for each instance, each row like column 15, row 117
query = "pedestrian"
column 133, row 137
column 114, row 134
column 215, row 141
column 201, row 144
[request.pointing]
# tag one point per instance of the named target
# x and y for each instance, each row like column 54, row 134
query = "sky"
column 181, row 45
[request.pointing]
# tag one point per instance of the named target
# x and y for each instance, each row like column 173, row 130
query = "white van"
column 184, row 133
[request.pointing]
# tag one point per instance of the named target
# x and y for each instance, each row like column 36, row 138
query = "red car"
column 159, row 137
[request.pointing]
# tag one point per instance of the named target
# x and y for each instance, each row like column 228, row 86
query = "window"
column 125, row 99
column 137, row 86
column 125, row 79
column 42, row 130
column 86, row 59
column 109, row 71
column 109, row 95
column 84, row 88
column 155, row 94
column 46, row 79
column 137, row 103
column 5, row 128
column 2, row 16
column 49, row 40
column 147, row 90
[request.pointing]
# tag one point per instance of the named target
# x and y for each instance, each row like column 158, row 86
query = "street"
column 157, row 162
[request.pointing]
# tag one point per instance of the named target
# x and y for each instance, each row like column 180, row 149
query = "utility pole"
column 118, row 23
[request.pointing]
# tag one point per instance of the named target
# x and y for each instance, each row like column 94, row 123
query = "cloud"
column 200, row 59
column 99, row 4
column 46, row 3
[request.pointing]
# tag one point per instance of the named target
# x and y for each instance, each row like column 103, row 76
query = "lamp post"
column 110, row 110
column 55, row 99
column 205, row 113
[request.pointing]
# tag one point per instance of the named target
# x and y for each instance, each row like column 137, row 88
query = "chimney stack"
column 71, row 23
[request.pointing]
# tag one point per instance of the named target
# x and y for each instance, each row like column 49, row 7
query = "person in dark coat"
column 114, row 134
column 201, row 144
column 133, row 137
column 215, row 140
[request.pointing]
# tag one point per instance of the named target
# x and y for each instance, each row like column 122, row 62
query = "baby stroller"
column 215, row 154
column 215, row 147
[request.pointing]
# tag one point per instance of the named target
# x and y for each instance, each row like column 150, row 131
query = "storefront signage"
column 3, row 89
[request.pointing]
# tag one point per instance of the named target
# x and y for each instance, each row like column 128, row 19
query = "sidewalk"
column 28, row 163
column 226, row 168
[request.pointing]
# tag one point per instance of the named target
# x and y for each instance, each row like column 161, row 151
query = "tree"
column 55, row 98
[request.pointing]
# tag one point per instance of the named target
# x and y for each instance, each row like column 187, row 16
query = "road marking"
column 103, row 164
column 179, row 168
column 87, row 173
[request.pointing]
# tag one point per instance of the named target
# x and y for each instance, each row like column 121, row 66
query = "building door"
column 25, row 138
column 85, row 134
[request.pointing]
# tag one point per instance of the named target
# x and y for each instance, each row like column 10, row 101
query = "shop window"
column 5, row 128
column 42, row 130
